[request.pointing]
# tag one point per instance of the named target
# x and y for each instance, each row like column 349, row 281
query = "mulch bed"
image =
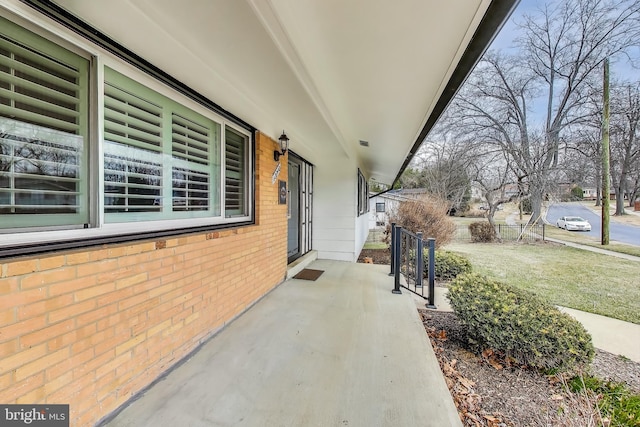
column 487, row 393
column 377, row 256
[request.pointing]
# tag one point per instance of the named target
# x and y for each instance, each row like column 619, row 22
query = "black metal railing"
column 407, row 260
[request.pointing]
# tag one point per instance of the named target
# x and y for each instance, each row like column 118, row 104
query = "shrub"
column 518, row 324
column 577, row 193
column 449, row 265
column 427, row 215
column 482, row 232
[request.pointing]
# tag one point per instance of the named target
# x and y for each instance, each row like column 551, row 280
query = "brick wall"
column 91, row 328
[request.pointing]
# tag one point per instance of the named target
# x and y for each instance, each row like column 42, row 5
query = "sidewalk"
column 594, row 249
column 611, row 335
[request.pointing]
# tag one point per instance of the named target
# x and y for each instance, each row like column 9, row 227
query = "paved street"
column 619, row 232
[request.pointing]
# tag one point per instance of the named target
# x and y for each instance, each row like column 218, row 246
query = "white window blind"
column 132, row 153
column 191, row 166
column 235, row 152
column 43, row 126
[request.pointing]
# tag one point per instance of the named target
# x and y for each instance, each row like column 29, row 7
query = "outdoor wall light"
column 284, row 146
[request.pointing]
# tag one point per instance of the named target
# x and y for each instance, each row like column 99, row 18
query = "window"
column 380, row 207
column 363, row 194
column 161, row 160
column 43, row 132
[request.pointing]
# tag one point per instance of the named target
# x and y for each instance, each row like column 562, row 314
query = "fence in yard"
column 508, row 233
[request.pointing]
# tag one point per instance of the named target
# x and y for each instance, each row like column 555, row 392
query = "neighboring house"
column 384, row 204
column 142, row 206
column 510, row 190
column 589, row 193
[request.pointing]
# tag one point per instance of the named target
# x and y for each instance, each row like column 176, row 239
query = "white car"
column 575, row 223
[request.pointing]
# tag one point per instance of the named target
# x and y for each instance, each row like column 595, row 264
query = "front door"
column 293, row 210
column 299, row 206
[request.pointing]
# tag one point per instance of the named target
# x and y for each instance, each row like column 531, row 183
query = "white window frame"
column 98, row 227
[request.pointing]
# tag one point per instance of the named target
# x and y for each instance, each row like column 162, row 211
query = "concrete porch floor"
column 340, row 351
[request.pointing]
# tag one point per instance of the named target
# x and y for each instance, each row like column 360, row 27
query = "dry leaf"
column 495, row 364
column 442, row 335
column 468, row 384
column 557, row 397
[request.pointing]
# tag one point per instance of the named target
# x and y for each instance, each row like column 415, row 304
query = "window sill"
column 34, row 243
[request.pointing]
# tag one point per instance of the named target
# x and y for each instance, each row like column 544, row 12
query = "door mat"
column 308, row 274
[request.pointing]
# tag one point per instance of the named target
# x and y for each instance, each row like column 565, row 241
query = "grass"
column 615, row 401
column 565, row 276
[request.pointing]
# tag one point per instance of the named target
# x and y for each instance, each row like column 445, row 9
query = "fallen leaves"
column 468, row 402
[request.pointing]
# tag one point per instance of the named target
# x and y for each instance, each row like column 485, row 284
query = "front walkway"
column 340, row 351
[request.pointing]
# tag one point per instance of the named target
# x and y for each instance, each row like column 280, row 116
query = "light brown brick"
column 15, row 330
column 18, row 359
column 92, row 268
column 47, row 333
column 71, row 364
column 7, row 316
column 57, row 383
column 18, row 268
column 21, row 298
column 130, row 281
column 126, row 346
column 41, row 364
column 95, row 315
column 48, row 277
column 78, row 258
column 42, row 307
column 8, row 285
column 88, row 368
column 20, row 389
column 71, row 311
column 51, row 262
column 72, row 285
column 94, row 291
column 112, row 364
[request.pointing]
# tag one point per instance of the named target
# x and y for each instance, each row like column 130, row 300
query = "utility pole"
column 605, row 156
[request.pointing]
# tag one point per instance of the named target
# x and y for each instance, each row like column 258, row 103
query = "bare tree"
column 557, row 65
column 625, row 140
column 564, row 45
column 493, row 174
column 441, row 167
column 493, row 107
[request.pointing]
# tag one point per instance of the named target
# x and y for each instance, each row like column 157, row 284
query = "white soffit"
column 375, row 68
column 329, row 72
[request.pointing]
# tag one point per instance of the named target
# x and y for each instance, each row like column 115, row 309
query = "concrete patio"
column 340, row 351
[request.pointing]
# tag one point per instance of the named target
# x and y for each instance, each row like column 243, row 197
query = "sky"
column 504, row 40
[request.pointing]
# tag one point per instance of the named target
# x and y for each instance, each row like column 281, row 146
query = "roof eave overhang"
column 496, row 15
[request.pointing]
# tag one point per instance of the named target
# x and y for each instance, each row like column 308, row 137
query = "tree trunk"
column 536, row 206
column 490, row 213
column 620, row 201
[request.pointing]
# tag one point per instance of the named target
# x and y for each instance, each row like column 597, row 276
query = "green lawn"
column 565, row 276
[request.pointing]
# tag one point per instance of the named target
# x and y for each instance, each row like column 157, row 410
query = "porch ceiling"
column 329, row 72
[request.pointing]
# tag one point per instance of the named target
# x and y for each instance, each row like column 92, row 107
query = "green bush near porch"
column 448, row 265
column 518, row 325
